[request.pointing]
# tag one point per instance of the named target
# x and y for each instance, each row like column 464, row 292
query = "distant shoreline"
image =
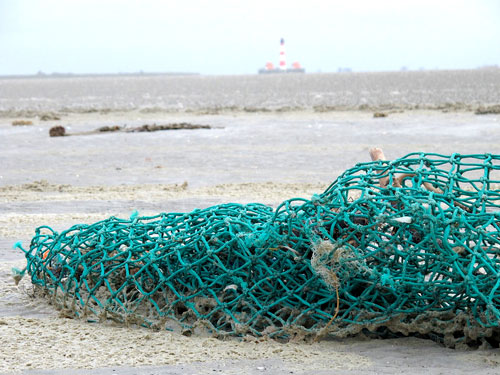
column 99, row 75
column 149, row 74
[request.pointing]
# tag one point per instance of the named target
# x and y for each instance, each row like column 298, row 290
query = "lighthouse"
column 282, row 68
column 282, row 55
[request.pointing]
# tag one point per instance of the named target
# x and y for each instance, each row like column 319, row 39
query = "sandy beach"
column 244, row 157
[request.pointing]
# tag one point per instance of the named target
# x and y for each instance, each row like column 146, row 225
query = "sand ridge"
column 266, row 191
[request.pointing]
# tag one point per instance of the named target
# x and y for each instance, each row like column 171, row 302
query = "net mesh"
column 403, row 247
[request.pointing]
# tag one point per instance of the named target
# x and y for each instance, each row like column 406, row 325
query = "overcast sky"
column 238, row 37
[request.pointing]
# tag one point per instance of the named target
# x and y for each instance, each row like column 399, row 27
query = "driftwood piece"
column 377, row 154
column 175, row 126
column 59, row 131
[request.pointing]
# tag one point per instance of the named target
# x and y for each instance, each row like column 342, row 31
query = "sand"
column 54, row 343
column 254, row 158
column 63, row 343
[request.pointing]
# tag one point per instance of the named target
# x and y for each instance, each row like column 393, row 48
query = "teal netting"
column 400, row 247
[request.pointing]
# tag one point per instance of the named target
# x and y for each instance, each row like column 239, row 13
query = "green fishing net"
column 403, row 247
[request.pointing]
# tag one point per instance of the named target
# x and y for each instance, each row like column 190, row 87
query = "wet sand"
column 248, row 158
column 303, row 147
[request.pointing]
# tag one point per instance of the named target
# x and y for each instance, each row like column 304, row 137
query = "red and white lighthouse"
column 282, row 55
column 282, row 68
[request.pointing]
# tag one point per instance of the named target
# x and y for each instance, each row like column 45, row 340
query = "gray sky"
column 238, row 37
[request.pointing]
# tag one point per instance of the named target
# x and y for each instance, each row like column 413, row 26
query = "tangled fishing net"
column 403, row 247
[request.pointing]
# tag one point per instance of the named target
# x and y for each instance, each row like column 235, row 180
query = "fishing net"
column 403, row 247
